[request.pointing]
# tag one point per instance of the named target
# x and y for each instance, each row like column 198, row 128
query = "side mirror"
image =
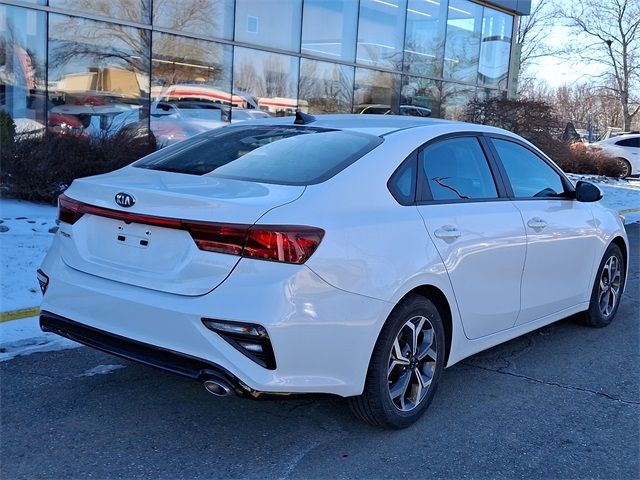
column 587, row 192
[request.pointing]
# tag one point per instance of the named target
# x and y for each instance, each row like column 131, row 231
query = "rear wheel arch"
column 438, row 297
column 622, row 245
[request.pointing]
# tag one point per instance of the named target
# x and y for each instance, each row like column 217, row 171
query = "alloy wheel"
column 412, row 363
column 610, row 283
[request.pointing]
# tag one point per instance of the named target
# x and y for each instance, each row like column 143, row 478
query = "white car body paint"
column 323, row 317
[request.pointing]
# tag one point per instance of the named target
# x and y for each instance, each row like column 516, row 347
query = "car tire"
column 403, row 374
column 626, row 167
column 607, row 289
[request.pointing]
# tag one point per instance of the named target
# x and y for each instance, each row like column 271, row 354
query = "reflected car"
column 352, row 255
column 177, row 120
column 174, row 121
column 243, row 114
column 379, row 109
column 94, row 118
column 625, row 149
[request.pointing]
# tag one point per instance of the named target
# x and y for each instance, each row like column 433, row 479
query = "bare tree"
column 584, row 104
column 612, row 31
column 532, row 33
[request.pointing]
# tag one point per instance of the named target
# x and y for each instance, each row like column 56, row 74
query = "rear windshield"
column 286, row 155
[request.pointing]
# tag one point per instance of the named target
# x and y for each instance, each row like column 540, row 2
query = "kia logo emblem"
column 125, row 200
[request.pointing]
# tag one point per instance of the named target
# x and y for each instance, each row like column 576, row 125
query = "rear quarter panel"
column 373, row 246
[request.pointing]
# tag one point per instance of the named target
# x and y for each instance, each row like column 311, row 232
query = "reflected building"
column 173, row 68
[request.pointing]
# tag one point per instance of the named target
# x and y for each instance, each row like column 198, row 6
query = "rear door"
column 476, row 229
column 562, row 236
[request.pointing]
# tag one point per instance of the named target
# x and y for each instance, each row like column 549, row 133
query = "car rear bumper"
column 322, row 337
column 164, row 359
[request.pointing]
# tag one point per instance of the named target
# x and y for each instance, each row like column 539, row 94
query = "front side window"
column 457, row 169
column 285, row 155
column 529, row 175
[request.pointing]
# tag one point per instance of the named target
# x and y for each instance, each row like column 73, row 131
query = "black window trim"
column 569, row 189
column 503, row 185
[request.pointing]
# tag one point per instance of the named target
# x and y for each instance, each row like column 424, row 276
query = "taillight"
column 279, row 243
column 219, row 238
column 68, row 210
column 282, row 243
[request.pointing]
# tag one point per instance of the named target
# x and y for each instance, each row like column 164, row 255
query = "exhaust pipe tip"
column 219, row 388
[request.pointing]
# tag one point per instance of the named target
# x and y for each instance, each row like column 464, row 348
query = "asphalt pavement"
column 560, row 402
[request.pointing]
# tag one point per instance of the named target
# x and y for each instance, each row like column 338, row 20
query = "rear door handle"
column 537, row 223
column 447, row 232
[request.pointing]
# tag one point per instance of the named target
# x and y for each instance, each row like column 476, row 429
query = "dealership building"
column 177, row 66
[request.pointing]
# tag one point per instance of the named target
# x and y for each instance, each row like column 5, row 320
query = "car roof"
column 372, row 124
column 616, row 138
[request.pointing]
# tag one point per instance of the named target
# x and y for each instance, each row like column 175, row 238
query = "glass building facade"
column 177, row 67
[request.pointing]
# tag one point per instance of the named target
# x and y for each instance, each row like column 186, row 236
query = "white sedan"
column 352, row 255
column 625, row 149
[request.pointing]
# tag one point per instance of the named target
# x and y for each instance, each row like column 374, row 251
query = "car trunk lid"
column 146, row 244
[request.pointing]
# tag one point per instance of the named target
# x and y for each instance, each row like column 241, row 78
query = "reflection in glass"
column 425, row 37
column 266, row 81
column 381, row 33
column 376, row 92
column 329, row 28
column 463, row 41
column 454, row 100
column 420, row 96
column 22, row 68
column 495, row 48
column 190, row 87
column 210, row 18
column 132, row 10
column 489, row 93
column 98, row 76
column 269, row 23
column 326, row 87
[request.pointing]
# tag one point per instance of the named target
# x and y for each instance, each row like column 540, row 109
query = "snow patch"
column 24, row 337
column 24, row 241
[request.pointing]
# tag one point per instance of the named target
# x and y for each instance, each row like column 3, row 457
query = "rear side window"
column 457, row 169
column 402, row 183
column 529, row 175
column 629, row 142
column 286, row 155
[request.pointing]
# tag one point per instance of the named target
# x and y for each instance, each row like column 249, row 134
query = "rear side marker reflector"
column 280, row 243
column 250, row 339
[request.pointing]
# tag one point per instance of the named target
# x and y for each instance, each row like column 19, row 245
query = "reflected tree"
column 328, row 90
column 98, row 44
column 134, row 10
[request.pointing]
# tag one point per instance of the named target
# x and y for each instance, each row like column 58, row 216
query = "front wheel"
column 405, row 366
column 607, row 290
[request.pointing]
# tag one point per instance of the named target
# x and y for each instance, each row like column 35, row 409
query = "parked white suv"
column 352, row 255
